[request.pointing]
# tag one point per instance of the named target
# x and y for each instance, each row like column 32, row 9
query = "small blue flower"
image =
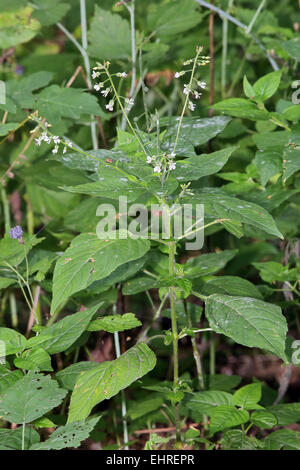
column 16, row 232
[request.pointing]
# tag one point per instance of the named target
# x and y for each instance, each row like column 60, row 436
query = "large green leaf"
column 266, row 86
column 248, row 321
column 219, row 204
column 89, row 259
column 230, row 285
column 108, row 379
column 70, row 435
column 286, row 413
column 242, row 108
column 206, row 402
column 8, row 378
column 112, row 323
column 13, row 341
column 196, row 167
column 68, row 377
column 169, row 19
column 63, row 334
column 37, row 359
column 248, row 396
column 225, row 416
column 11, row 439
column 55, row 102
column 48, row 12
column 29, row 398
column 207, row 264
column 283, row 439
column 109, row 36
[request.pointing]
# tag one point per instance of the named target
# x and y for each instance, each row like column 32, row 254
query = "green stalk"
column 12, row 298
column 131, row 10
column 172, row 247
column 196, row 353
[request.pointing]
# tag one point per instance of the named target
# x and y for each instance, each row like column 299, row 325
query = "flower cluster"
column 105, row 85
column 48, row 137
column 190, row 89
column 55, row 139
column 162, row 163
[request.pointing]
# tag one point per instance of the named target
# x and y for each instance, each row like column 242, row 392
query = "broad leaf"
column 108, row 379
column 248, row 396
column 266, row 86
column 36, row 359
column 29, row 398
column 225, row 416
column 63, row 334
column 11, row 439
column 113, row 323
column 70, row 435
column 12, row 340
column 206, row 402
column 248, row 321
column 89, row 259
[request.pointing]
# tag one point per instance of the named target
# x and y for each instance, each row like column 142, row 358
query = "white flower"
column 130, row 103
column 98, row 86
column 172, row 165
column 188, row 62
column 65, row 150
column 197, row 95
column 172, row 155
column 201, row 84
column 38, row 141
column 149, row 159
column 191, row 106
column 186, row 89
column 157, row 169
column 179, row 74
column 69, row 143
column 110, row 105
column 55, row 150
column 95, row 74
column 122, row 74
column 56, row 139
column 106, row 91
column 46, row 138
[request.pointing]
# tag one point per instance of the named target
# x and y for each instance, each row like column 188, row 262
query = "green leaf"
column 222, row 382
column 170, row 19
column 113, row 323
column 248, row 396
column 90, row 259
column 225, row 416
column 236, row 439
column 70, row 435
column 206, row 402
column 48, row 12
column 248, row 89
column 139, row 284
column 34, row 359
column 8, row 378
column 13, row 252
column 55, row 102
column 13, row 341
column 11, row 439
column 271, row 271
column 286, row 413
column 239, row 107
column 63, row 334
column 230, row 285
column 136, row 409
column 292, row 47
column 263, row 419
column 207, row 264
column 108, row 379
column 29, row 398
column 266, row 86
column 6, row 282
column 196, row 167
column 17, row 27
column 109, row 36
column 193, row 132
column 68, row 377
column 248, row 321
column 268, row 164
column 220, row 205
column 283, row 439
column 6, row 128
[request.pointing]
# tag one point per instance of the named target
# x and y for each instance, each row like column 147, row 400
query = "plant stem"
column 23, row 435
column 123, row 401
column 12, row 298
column 131, row 10
column 172, row 247
column 224, row 51
column 195, row 349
